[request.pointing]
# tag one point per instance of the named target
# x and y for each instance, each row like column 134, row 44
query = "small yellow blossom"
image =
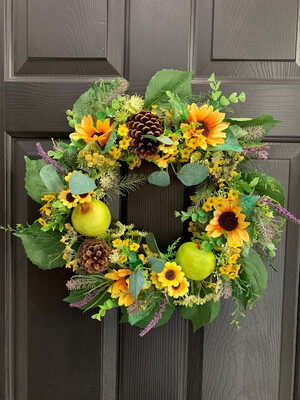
column 122, row 130
column 134, row 247
column 116, row 242
column 42, row 222
column 123, row 258
column 124, row 143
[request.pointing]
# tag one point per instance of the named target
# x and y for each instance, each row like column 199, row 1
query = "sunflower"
column 68, row 199
column 155, row 281
column 205, row 124
column 87, row 131
column 85, row 197
column 120, row 288
column 230, row 219
column 162, row 162
column 179, row 290
column 171, row 274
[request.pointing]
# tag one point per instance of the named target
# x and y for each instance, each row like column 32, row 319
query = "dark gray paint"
column 51, row 352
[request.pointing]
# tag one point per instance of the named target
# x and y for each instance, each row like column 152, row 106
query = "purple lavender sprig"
column 156, row 318
column 47, row 159
column 260, row 152
column 85, row 300
column 282, row 211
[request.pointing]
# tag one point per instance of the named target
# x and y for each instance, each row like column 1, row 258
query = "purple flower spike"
column 47, row 159
column 282, row 211
column 260, row 152
column 156, row 318
column 85, row 300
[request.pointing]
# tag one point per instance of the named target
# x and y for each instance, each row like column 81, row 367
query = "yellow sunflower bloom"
column 230, row 219
column 68, row 199
column 85, row 197
column 206, row 124
column 120, row 289
column 87, row 131
column 155, row 281
column 179, row 290
column 171, row 275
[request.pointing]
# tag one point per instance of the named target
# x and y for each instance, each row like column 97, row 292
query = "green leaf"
column 267, row 121
column 157, row 264
column 80, row 183
column 230, row 144
column 212, row 78
column 177, row 82
column 166, row 315
column 233, row 98
column 267, row 186
column 136, row 282
column 101, row 115
column 224, row 101
column 33, row 182
column 43, row 249
column 216, row 95
column 109, row 143
column 82, row 106
column 192, row 174
column 152, row 244
column 237, row 131
column 162, row 139
column 200, row 315
column 51, row 179
column 115, row 104
column 255, row 273
column 159, row 178
column 242, row 97
column 248, row 205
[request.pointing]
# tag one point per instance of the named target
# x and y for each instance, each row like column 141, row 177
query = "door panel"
column 53, row 50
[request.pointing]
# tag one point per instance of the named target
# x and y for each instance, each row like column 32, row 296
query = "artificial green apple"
column 91, row 219
column 196, row 264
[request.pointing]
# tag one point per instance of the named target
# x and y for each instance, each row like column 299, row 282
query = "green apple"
column 91, row 219
column 196, row 264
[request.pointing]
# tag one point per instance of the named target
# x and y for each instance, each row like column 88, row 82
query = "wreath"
column 235, row 216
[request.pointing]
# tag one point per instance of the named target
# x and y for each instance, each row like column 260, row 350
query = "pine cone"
column 94, row 255
column 144, row 123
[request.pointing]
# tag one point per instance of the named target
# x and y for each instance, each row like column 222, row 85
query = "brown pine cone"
column 94, row 255
column 144, row 123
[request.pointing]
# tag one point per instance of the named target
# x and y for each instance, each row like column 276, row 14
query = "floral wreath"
column 235, row 215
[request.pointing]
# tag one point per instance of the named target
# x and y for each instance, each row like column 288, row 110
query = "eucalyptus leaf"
column 192, row 174
column 80, row 183
column 136, row 282
column 157, row 264
column 230, row 143
column 163, row 139
column 177, row 82
column 51, row 179
column 152, row 244
column 159, row 178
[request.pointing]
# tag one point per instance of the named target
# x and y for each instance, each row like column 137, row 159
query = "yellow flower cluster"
column 218, row 202
column 224, row 169
column 45, row 209
column 122, row 248
column 69, row 255
column 92, row 158
column 232, row 271
column 136, row 162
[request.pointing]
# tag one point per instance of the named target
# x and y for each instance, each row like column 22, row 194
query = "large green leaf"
column 201, row 315
column 151, row 242
column 33, row 182
column 80, row 183
column 192, row 174
column 51, row 179
column 230, row 143
column 267, row 121
column 43, row 249
column 266, row 186
column 83, row 105
column 254, row 272
column 177, row 82
column 157, row 264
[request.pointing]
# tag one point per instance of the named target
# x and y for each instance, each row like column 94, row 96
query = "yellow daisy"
column 123, row 258
column 134, row 247
column 179, row 290
column 124, row 143
column 122, row 130
column 171, row 275
column 116, row 242
column 155, row 281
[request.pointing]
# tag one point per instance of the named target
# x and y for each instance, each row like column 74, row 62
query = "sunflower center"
column 228, row 221
column 202, row 125
column 83, row 195
column 70, row 198
column 170, row 275
column 176, row 287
